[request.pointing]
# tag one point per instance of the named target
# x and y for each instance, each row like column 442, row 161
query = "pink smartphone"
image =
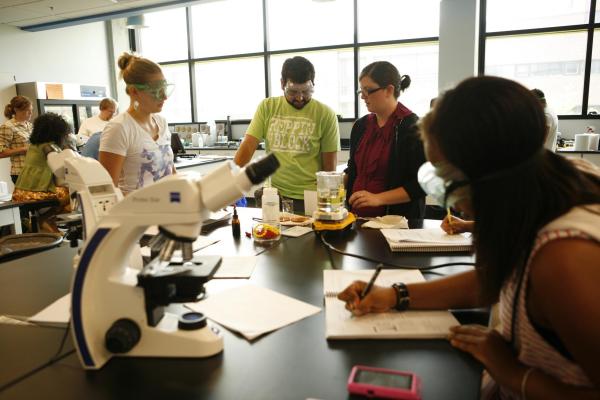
column 384, row 383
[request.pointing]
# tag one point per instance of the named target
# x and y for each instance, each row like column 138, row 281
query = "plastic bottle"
column 235, row 224
column 269, row 229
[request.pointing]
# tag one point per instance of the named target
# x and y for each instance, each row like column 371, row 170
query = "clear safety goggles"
column 159, row 90
column 304, row 90
column 444, row 183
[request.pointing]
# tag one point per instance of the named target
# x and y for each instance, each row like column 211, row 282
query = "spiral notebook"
column 340, row 324
column 426, row 240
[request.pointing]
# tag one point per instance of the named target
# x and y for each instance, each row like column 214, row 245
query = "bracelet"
column 402, row 297
column 524, row 383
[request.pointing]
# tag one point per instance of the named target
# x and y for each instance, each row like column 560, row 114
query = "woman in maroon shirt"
column 385, row 149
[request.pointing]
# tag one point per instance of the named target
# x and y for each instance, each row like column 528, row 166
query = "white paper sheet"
column 236, row 267
column 253, row 310
column 296, row 231
column 432, row 235
column 340, row 324
column 56, row 314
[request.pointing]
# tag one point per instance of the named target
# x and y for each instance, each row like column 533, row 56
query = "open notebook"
column 426, row 240
column 340, row 324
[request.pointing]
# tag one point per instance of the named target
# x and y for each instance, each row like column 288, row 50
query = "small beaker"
column 287, row 207
column 330, row 191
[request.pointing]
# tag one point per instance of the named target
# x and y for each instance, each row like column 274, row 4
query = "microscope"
column 118, row 310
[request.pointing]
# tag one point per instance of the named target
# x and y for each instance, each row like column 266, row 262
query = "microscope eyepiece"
column 262, row 169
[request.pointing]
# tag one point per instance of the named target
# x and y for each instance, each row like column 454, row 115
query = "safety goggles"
column 446, row 184
column 160, row 90
column 294, row 90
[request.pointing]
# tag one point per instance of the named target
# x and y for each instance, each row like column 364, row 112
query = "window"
column 178, row 107
column 334, row 78
column 543, row 46
column 229, row 87
column 526, row 59
column 234, row 66
column 508, row 15
column 227, row 27
column 380, row 20
column 165, row 38
column 294, row 24
column 419, row 61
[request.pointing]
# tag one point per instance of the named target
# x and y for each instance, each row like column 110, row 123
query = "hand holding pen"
column 453, row 225
column 365, row 297
column 367, row 288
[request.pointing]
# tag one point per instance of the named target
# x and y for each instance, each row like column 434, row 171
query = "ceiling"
column 35, row 15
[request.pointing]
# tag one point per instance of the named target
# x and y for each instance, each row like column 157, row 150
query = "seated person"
column 89, row 126
column 537, row 245
column 385, row 149
column 36, row 181
column 92, row 146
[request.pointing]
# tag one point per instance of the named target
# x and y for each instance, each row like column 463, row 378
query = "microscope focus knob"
column 122, row 336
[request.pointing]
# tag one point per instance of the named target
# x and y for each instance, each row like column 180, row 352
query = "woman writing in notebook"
column 135, row 146
column 537, row 244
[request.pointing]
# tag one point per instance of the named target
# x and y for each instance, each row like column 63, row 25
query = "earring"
column 136, row 105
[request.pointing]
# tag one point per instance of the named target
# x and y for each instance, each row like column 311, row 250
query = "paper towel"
column 582, row 142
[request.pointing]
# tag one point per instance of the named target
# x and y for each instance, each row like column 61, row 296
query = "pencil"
column 367, row 288
column 449, row 219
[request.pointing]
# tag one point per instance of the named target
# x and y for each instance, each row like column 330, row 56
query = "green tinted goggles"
column 160, row 90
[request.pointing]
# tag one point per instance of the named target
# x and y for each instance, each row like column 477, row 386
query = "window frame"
column 590, row 27
column 266, row 53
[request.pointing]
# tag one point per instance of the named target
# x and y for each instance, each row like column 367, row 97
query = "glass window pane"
column 294, row 24
column 526, row 59
column 594, row 99
column 227, row 27
column 165, row 38
column 334, row 80
column 506, row 15
column 419, row 61
column 178, row 107
column 222, row 90
column 414, row 19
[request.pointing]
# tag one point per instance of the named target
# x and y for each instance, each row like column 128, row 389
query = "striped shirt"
column 533, row 350
column 15, row 134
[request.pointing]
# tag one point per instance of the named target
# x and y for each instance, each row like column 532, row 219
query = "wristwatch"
column 402, row 297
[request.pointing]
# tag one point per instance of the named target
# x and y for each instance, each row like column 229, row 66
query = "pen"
column 367, row 288
column 449, row 219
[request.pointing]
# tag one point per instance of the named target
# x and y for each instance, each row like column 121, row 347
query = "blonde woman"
column 15, row 132
column 135, row 146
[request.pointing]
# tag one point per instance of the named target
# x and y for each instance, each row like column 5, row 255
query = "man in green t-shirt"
column 302, row 132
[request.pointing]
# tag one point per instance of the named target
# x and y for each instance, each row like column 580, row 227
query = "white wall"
column 75, row 54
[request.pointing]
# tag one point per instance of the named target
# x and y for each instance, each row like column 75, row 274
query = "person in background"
column 15, row 132
column 36, row 181
column 385, row 149
column 108, row 107
column 302, row 132
column 537, row 245
column 551, row 121
column 135, row 146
